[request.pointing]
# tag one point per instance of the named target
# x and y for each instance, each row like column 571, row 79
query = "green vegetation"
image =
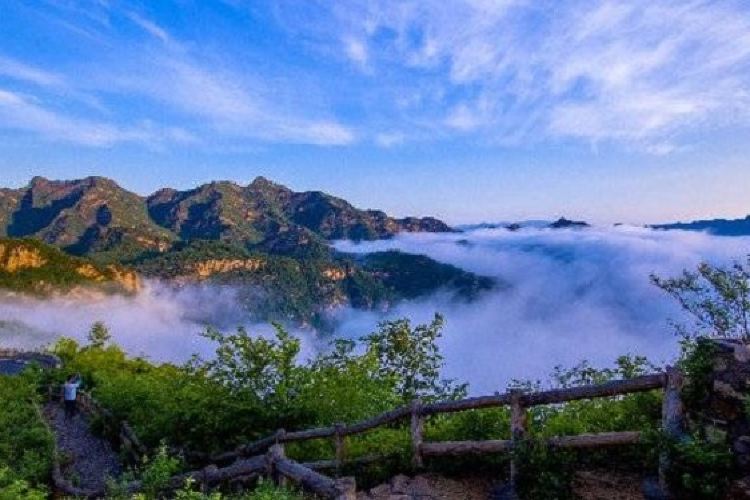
column 717, row 298
column 254, row 385
column 26, row 444
column 718, row 301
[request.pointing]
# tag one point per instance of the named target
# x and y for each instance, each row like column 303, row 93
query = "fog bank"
column 570, row 295
column 567, row 295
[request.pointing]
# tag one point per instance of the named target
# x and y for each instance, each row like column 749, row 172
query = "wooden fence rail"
column 519, row 403
column 266, row 456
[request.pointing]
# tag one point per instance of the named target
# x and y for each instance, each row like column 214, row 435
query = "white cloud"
column 19, row 71
column 356, row 50
column 641, row 73
column 569, row 295
column 389, row 139
column 18, row 112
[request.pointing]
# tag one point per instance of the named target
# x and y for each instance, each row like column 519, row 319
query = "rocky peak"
column 563, row 223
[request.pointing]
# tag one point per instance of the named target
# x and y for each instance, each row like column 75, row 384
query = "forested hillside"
column 271, row 243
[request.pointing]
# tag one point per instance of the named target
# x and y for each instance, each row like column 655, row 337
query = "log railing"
column 519, row 402
column 267, row 456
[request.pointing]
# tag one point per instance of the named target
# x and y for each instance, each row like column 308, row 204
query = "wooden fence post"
column 417, row 434
column 518, row 422
column 673, row 419
column 275, row 453
column 340, row 443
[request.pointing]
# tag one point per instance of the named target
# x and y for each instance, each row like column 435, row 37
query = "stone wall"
column 725, row 414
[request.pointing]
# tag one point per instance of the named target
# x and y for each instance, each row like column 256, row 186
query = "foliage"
column 411, row 356
column 260, row 366
column 255, row 385
column 544, row 472
column 718, row 299
column 99, row 335
column 12, row 488
column 699, row 469
column 26, row 445
column 157, row 472
column 696, row 362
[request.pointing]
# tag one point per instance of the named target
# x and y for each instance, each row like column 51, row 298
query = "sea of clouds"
column 565, row 296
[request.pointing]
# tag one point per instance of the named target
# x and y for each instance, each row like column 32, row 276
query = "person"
column 70, row 393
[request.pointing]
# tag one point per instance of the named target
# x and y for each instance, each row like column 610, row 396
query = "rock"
column 740, row 490
column 727, row 390
column 382, row 491
column 400, row 484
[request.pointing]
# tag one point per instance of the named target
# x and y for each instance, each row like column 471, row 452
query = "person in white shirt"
column 70, row 392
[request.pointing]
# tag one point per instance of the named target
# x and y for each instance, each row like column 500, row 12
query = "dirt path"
column 588, row 485
column 86, row 460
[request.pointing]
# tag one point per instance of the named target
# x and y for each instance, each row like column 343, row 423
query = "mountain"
column 719, row 227
column 84, row 217
column 33, row 267
column 563, row 223
column 267, row 241
column 266, row 213
column 96, row 217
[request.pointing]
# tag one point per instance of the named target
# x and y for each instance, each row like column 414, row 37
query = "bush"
column 26, row 445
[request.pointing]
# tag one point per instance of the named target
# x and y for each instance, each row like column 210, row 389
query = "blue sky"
column 470, row 110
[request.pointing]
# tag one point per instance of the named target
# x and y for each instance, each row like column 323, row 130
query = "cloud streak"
column 638, row 73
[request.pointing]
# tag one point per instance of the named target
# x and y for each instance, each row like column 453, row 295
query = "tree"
column 256, row 365
column 99, row 335
column 718, row 299
column 412, row 356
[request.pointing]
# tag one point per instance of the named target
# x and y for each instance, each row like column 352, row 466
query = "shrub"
column 26, row 445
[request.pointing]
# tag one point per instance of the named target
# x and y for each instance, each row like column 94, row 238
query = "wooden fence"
column 519, row 403
column 266, row 456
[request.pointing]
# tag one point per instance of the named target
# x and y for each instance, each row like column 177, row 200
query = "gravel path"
column 86, row 459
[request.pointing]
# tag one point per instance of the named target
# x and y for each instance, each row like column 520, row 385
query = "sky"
column 468, row 110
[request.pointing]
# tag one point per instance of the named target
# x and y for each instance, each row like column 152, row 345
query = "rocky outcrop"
column 336, row 273
column 14, row 258
column 563, row 223
column 125, row 278
column 208, row 268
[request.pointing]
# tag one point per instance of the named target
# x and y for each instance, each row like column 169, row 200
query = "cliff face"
column 208, row 268
column 16, row 257
column 30, row 266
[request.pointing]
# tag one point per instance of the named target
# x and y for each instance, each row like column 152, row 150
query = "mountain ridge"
column 95, row 216
column 718, row 227
column 269, row 242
